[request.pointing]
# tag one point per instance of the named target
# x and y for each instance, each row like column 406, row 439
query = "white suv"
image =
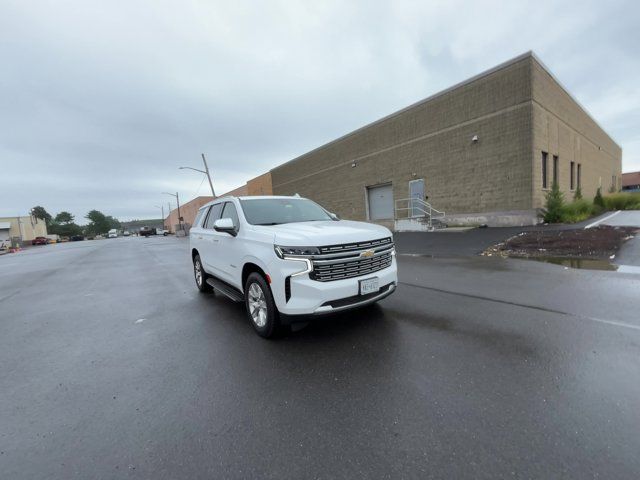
column 287, row 257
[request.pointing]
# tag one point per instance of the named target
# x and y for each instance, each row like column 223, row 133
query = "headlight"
column 283, row 252
column 298, row 254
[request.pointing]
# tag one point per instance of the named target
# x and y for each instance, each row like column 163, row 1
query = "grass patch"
column 578, row 210
column 622, row 201
column 557, row 211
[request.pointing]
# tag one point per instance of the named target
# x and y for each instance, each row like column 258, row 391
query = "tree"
column 554, row 204
column 114, row 223
column 41, row 213
column 98, row 223
column 65, row 229
column 578, row 194
column 598, row 200
column 64, row 217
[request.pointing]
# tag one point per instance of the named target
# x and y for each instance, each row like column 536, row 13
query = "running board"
column 228, row 290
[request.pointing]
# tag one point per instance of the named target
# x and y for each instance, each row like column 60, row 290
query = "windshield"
column 273, row 211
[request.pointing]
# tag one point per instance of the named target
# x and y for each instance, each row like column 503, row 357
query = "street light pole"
column 205, row 171
column 206, row 168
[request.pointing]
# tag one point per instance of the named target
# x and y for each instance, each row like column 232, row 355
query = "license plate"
column 369, row 285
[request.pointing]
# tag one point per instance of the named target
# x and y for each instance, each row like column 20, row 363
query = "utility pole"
column 179, row 216
column 205, row 171
column 161, row 207
column 206, row 168
column 178, row 203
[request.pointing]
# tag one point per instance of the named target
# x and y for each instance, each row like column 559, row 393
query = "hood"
column 317, row 234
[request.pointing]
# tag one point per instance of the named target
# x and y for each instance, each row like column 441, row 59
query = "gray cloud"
column 102, row 101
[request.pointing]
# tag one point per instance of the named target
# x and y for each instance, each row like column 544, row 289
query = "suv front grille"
column 337, row 262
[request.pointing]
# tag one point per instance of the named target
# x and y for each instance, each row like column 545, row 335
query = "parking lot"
column 114, row 366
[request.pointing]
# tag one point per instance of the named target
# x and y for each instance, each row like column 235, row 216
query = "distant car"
column 113, row 233
column 126, row 233
column 164, row 233
column 53, row 238
column 40, row 241
column 147, row 231
column 77, row 238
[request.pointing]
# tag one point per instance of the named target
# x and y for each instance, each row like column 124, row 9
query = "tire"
column 200, row 276
column 261, row 309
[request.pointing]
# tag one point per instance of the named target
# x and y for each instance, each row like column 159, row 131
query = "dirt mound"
column 598, row 243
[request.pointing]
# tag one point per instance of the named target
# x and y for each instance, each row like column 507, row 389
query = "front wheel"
column 200, row 275
column 261, row 309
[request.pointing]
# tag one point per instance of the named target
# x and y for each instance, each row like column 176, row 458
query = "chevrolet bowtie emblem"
column 367, row 253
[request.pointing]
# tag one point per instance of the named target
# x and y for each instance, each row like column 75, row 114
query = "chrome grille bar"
column 338, row 262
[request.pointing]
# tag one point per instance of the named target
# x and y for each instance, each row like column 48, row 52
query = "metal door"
column 380, row 202
column 416, row 190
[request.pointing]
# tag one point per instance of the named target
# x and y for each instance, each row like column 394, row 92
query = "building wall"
column 188, row 212
column 432, row 140
column 517, row 110
column 631, row 181
column 562, row 127
column 236, row 192
column 261, row 185
column 27, row 228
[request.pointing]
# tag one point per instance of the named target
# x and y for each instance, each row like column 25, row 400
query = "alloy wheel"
column 197, row 268
column 257, row 305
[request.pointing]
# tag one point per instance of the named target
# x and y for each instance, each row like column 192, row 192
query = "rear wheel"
column 261, row 309
column 200, row 275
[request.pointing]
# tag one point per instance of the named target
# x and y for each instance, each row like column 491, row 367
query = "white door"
column 230, row 247
column 210, row 242
column 380, row 202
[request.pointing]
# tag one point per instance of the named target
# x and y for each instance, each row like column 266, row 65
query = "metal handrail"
column 424, row 209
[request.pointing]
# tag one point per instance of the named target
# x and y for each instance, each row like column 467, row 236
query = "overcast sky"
column 101, row 102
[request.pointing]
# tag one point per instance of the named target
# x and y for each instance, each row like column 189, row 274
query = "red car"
column 39, row 241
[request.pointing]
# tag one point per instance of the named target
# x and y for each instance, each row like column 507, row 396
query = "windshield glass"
column 273, row 211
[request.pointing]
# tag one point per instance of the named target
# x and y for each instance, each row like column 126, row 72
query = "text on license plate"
column 369, row 285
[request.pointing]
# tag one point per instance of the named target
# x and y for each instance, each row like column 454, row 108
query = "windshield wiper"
column 272, row 223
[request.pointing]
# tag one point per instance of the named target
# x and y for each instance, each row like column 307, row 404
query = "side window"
column 231, row 212
column 214, row 214
column 199, row 216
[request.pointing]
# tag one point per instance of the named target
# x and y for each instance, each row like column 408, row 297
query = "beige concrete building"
column 22, row 229
column 483, row 151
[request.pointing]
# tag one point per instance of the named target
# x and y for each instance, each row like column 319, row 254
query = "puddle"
column 629, row 269
column 581, row 263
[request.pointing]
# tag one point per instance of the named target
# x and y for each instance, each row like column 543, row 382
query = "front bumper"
column 311, row 297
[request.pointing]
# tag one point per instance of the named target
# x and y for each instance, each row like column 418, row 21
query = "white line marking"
column 602, row 220
column 140, row 320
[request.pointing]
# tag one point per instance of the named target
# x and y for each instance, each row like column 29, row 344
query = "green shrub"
column 576, row 211
column 622, row 201
column 578, row 194
column 554, row 204
column 598, row 200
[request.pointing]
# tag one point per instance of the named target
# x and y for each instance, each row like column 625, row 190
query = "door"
column 210, row 243
column 416, row 190
column 228, row 262
column 380, row 200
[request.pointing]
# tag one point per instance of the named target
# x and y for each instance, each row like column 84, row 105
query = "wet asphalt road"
column 113, row 366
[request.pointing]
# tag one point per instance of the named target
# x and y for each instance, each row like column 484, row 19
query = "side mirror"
column 334, row 216
column 225, row 225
